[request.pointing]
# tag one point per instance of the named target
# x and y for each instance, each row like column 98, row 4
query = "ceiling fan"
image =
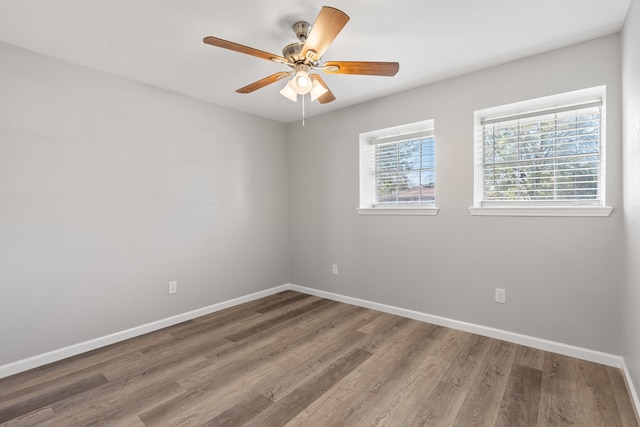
column 305, row 55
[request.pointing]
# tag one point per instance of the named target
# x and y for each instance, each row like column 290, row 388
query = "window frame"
column 540, row 208
column 368, row 141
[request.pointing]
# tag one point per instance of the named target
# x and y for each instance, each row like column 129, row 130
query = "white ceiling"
column 159, row 42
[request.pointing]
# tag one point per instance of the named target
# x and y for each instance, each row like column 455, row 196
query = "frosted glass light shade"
column 289, row 92
column 317, row 90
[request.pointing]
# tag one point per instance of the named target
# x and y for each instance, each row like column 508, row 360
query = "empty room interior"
column 420, row 213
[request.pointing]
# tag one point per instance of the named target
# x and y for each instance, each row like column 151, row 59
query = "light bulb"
column 301, row 83
column 302, row 80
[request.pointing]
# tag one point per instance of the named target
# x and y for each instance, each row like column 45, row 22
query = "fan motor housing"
column 293, row 52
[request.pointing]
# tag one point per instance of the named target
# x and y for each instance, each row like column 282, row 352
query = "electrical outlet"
column 334, row 269
column 173, row 287
column 501, row 296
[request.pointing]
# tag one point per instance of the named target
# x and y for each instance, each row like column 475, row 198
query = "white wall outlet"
column 334, row 269
column 501, row 296
column 173, row 287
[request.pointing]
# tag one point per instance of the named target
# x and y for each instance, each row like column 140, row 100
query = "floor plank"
column 293, row 403
column 447, row 397
column 521, row 399
column 481, row 404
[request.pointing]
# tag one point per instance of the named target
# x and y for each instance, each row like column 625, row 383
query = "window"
column 547, row 156
column 397, row 170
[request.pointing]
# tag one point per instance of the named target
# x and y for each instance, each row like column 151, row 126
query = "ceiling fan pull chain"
column 303, row 110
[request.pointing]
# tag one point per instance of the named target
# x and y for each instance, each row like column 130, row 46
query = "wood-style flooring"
column 298, row 360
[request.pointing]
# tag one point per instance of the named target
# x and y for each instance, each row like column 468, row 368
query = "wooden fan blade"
column 363, row 68
column 264, row 82
column 327, row 96
column 214, row 41
column 329, row 23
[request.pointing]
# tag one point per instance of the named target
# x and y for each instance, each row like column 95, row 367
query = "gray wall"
column 562, row 275
column 631, row 83
column 110, row 189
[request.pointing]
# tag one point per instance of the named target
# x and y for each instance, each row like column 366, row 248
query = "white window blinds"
column 404, row 169
column 544, row 157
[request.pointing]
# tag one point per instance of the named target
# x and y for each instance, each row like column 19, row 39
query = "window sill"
column 542, row 211
column 399, row 211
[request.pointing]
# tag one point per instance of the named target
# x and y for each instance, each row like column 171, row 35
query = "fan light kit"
column 304, row 56
column 302, row 84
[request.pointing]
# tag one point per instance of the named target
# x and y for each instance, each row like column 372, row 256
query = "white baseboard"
column 631, row 388
column 542, row 344
column 73, row 350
